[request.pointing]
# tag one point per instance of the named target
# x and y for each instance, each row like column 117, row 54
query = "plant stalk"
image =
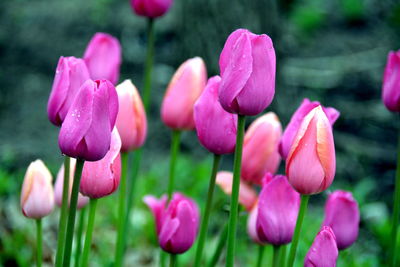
column 39, row 236
column 89, row 232
column 174, row 154
column 396, row 210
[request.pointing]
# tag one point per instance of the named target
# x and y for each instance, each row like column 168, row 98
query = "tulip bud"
column 391, row 82
column 103, row 57
column 295, row 122
column 101, row 178
column 260, row 148
column 86, row 131
column 252, row 225
column 150, row 8
column 323, row 252
column 216, row 128
column 247, row 195
column 278, row 207
column 343, row 216
column 131, row 119
column 58, row 190
column 247, row 65
column 186, row 86
column 71, row 73
column 311, row 163
column 37, row 197
column 176, row 222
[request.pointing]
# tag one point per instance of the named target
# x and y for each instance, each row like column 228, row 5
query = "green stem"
column 39, row 242
column 206, row 215
column 163, row 256
column 261, row 249
column 81, row 224
column 396, row 210
column 172, row 260
column 64, row 213
column 276, row 256
column 72, row 212
column 235, row 192
column 174, row 154
column 220, row 246
column 282, row 257
column 89, row 232
column 297, row 230
column 149, row 63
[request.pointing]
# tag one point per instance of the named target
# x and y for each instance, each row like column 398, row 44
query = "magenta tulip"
column 391, row 82
column 295, row 122
column 176, row 222
column 216, row 128
column 86, row 131
column 247, row 65
column 343, row 216
column 323, row 252
column 103, row 57
column 71, row 73
column 150, row 8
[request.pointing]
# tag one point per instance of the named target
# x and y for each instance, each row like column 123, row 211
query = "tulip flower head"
column 131, row 119
column 101, row 178
column 150, row 8
column 37, row 196
column 311, row 163
column 86, row 131
column 176, row 222
column 103, row 57
column 343, row 216
column 186, row 86
column 391, row 82
column 247, row 65
column 252, row 225
column 260, row 148
column 323, row 252
column 216, row 128
column 291, row 130
column 71, row 73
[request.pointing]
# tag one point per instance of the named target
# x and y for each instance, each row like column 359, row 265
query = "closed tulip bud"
column 101, row 178
column 247, row 65
column 260, row 148
column 37, row 196
column 131, row 119
column 323, row 251
column 247, row 195
column 186, row 86
column 391, row 82
column 343, row 216
column 252, row 225
column 216, row 128
column 58, row 188
column 103, row 57
column 71, row 73
column 278, row 207
column 176, row 222
column 295, row 122
column 150, row 8
column 86, row 131
column 311, row 163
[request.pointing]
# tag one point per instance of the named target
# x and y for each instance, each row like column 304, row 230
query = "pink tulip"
column 216, row 128
column 150, row 8
column 103, row 57
column 176, row 223
column 71, row 73
column 343, row 216
column 311, row 163
column 58, row 190
column 247, row 195
column 247, row 65
column 131, row 119
column 323, row 252
column 37, row 197
column 186, row 86
column 86, row 131
column 101, row 178
column 391, row 82
column 252, row 225
column 278, row 207
column 295, row 122
column 260, row 148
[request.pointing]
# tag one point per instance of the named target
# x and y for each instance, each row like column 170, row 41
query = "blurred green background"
column 332, row 51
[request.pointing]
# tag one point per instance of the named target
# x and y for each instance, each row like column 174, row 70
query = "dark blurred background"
column 332, row 51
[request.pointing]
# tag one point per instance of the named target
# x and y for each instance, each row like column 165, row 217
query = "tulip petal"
column 228, row 48
column 157, row 207
column 323, row 252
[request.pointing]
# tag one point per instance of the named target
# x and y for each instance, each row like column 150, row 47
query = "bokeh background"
column 332, row 51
